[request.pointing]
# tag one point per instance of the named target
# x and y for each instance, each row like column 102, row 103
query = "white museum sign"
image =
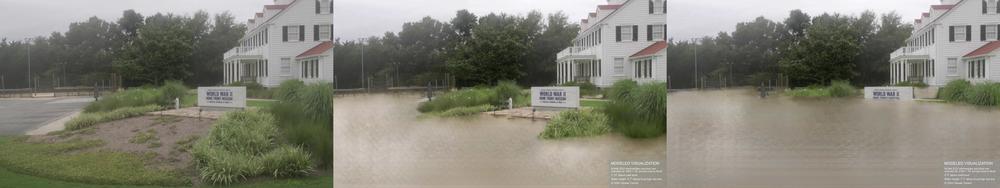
column 889, row 93
column 555, row 97
column 224, row 97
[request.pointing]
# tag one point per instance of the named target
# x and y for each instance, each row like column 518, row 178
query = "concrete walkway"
column 53, row 126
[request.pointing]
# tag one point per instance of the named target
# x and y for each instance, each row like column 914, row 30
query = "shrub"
column 842, row 89
column 128, row 98
column 461, row 98
column 241, row 145
column 586, row 88
column 86, row 120
column 466, row 111
column 289, row 90
column 638, row 111
column 955, row 90
column 171, row 90
column 505, row 90
column 987, row 94
column 576, row 123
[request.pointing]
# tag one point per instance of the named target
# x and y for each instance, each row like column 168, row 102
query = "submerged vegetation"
column 463, row 102
column 305, row 116
column 636, row 111
column 984, row 94
column 836, row 89
column 576, row 123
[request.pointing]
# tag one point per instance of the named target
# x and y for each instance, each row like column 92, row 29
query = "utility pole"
column 363, row 83
column 28, row 41
column 695, row 43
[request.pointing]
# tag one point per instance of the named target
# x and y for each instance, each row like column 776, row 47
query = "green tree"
column 826, row 54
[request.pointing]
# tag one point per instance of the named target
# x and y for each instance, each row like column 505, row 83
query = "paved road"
column 18, row 116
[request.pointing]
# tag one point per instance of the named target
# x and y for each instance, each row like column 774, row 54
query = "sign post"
column 222, row 97
column 555, row 97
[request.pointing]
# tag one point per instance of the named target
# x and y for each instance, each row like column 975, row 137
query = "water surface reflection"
column 380, row 141
column 732, row 138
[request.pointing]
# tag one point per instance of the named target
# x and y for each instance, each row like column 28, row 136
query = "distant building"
column 955, row 40
column 625, row 39
column 291, row 39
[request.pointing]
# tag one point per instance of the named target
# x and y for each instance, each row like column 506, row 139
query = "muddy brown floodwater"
column 732, row 138
column 380, row 141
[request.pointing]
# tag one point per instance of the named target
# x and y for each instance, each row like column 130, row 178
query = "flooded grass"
column 576, row 123
column 638, row 111
column 466, row 100
column 837, row 89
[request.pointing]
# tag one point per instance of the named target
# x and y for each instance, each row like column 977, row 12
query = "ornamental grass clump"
column 242, row 145
column 576, row 123
column 955, row 91
column 305, row 116
column 638, row 111
column 86, row 120
column 986, row 94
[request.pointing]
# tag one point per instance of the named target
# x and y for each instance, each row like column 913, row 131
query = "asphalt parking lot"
column 18, row 116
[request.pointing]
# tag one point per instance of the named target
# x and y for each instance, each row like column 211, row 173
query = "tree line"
column 469, row 50
column 803, row 50
column 138, row 49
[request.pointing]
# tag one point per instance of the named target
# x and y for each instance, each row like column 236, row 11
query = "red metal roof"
column 319, row 49
column 652, row 49
column 275, row 6
column 608, row 7
column 940, row 7
column 986, row 49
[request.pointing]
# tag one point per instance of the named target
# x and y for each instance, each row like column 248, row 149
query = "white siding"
column 966, row 12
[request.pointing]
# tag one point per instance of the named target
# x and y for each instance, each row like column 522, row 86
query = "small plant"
column 144, row 137
column 576, row 123
column 242, row 145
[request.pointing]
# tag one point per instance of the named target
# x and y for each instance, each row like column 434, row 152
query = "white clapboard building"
column 290, row 39
column 955, row 40
column 625, row 39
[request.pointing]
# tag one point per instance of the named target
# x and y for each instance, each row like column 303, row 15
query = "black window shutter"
column 618, row 33
column 984, row 7
column 650, row 6
column 968, row 33
column 649, row 32
column 982, row 33
column 315, row 32
column 331, row 12
column 998, row 31
column 302, row 33
column 664, row 32
column 284, row 33
column 664, row 10
column 331, row 32
column 635, row 33
column 317, row 6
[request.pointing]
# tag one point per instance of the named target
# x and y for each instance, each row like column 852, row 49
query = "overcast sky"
column 360, row 18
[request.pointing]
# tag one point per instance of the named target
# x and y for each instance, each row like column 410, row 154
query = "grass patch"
column 594, row 104
column 638, row 111
column 955, row 91
column 60, row 161
column 466, row 111
column 87, row 120
column 254, row 90
column 12, row 179
column 148, row 137
column 985, row 94
column 242, row 145
column 138, row 97
column 261, row 104
column 576, row 123
column 837, row 89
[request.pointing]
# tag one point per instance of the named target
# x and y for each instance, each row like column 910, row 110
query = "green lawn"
column 596, row 104
column 52, row 160
column 262, row 104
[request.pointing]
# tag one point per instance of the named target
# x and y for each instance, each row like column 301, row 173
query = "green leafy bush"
column 638, row 111
column 242, row 145
column 837, row 89
column 955, row 90
column 128, row 98
column 171, row 90
column 86, row 120
column 576, row 123
column 477, row 97
column 842, row 89
column 289, row 90
column 505, row 90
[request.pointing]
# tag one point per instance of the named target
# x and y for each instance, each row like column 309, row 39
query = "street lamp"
column 28, row 42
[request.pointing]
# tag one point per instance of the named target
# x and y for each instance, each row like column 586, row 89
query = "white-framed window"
column 657, row 32
column 657, row 7
column 952, row 66
column 961, row 33
column 991, row 32
column 286, row 66
column 628, row 33
column 619, row 66
column 991, row 7
column 643, row 68
column 293, row 33
column 324, row 6
column 977, row 68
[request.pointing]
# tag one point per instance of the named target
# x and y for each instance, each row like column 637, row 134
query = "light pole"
column 363, row 66
column 695, row 43
column 28, row 42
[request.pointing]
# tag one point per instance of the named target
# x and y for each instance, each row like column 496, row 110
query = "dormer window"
column 324, row 6
column 657, row 6
column 990, row 7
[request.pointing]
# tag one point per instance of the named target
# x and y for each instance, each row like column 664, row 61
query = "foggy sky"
column 361, row 18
